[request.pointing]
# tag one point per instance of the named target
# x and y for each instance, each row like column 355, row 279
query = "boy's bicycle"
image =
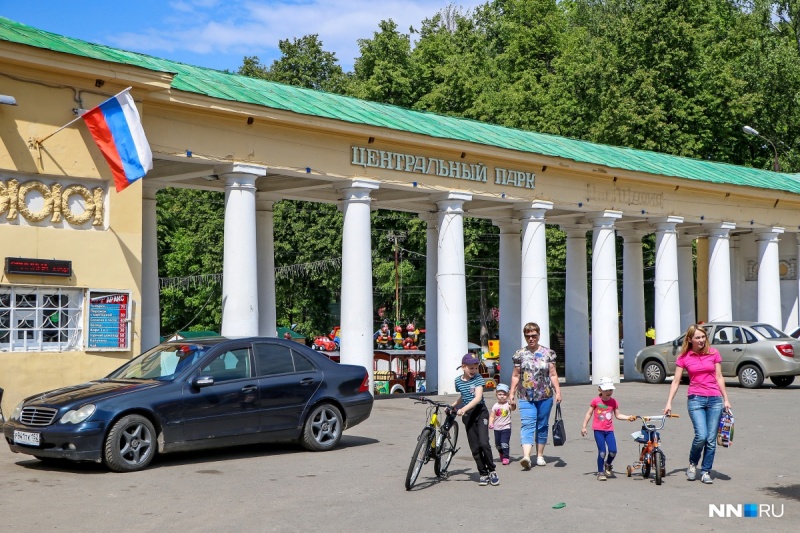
column 651, row 456
column 437, row 441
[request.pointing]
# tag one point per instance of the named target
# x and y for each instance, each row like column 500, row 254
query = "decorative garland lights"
column 288, row 271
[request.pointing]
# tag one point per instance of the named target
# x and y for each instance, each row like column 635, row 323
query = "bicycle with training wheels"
column 436, row 441
column 651, row 456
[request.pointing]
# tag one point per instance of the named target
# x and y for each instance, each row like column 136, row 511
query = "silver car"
column 750, row 351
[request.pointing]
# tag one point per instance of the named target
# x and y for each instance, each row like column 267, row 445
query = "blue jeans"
column 535, row 417
column 605, row 440
column 704, row 412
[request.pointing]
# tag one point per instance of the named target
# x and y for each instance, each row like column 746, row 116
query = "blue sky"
column 219, row 34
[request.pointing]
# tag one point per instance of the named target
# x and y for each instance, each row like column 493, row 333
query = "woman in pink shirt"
column 707, row 398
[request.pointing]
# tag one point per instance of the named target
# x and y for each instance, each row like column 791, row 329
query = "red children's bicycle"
column 651, row 456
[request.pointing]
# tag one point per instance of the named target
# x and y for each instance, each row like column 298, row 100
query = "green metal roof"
column 283, row 331
column 188, row 335
column 226, row 86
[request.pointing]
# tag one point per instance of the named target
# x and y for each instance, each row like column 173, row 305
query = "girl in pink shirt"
column 707, row 398
column 602, row 410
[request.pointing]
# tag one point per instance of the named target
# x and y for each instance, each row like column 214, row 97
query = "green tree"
column 383, row 71
column 190, row 243
column 303, row 63
column 307, row 235
column 450, row 64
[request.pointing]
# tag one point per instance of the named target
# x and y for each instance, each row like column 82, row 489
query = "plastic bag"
column 725, row 433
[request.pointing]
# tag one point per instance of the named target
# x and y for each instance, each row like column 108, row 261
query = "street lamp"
column 776, row 166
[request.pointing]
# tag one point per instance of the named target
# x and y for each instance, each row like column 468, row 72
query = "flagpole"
column 71, row 122
column 76, row 119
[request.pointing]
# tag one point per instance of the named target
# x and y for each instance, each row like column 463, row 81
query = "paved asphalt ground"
column 359, row 486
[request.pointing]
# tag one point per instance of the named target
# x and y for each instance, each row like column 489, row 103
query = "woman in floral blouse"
column 533, row 385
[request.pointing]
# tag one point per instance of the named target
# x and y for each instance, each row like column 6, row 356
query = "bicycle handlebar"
column 423, row 399
column 661, row 418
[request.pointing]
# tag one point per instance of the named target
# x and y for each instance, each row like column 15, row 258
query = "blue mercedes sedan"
column 206, row 393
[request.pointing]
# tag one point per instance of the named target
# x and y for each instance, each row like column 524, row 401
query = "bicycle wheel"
column 646, row 466
column 658, row 462
column 446, row 451
column 420, row 457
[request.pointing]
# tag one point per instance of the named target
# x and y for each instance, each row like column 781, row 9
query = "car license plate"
column 26, row 437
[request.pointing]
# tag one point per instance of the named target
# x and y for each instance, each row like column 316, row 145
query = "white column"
column 793, row 320
column 356, row 344
column 240, row 270
column 633, row 322
column 719, row 272
column 265, row 229
column 736, row 278
column 509, row 294
column 431, row 297
column 451, row 307
column 667, row 292
column 769, row 277
column 576, row 307
column 605, row 307
column 151, row 313
column 686, row 281
column 533, row 281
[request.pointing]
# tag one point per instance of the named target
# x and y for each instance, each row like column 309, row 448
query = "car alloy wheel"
column 750, row 377
column 654, row 372
column 130, row 445
column 323, row 428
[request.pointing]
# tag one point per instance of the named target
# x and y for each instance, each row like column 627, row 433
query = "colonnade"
column 248, row 300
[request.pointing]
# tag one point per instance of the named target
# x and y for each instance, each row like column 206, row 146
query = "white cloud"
column 250, row 27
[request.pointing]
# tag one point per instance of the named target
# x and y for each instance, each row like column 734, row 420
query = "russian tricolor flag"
column 117, row 129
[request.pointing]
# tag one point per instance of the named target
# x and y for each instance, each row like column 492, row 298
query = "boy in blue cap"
column 475, row 417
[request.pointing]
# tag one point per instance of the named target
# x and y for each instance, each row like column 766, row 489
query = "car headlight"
column 17, row 410
column 76, row 416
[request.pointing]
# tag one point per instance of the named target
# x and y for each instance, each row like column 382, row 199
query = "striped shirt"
column 467, row 388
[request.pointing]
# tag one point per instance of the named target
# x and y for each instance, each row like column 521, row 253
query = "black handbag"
column 559, row 432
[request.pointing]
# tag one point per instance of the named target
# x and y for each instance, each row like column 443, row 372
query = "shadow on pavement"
column 193, row 457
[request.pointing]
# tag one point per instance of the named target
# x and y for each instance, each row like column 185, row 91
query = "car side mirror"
column 675, row 343
column 202, row 381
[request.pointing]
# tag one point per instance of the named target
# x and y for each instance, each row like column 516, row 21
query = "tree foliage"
column 190, row 228
column 303, row 63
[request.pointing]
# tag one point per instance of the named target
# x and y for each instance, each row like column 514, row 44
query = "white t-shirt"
column 502, row 416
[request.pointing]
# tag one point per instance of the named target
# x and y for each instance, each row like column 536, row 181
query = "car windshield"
column 163, row 362
column 768, row 331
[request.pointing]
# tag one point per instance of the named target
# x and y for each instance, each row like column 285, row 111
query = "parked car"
column 204, row 393
column 750, row 351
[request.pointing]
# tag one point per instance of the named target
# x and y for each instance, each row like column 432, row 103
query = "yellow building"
column 261, row 142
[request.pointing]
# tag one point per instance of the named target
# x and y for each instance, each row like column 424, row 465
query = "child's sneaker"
column 493, row 479
column 525, row 462
column 483, row 481
column 706, row 478
column 505, row 460
column 691, row 472
column 540, row 461
column 609, row 472
column 601, row 476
